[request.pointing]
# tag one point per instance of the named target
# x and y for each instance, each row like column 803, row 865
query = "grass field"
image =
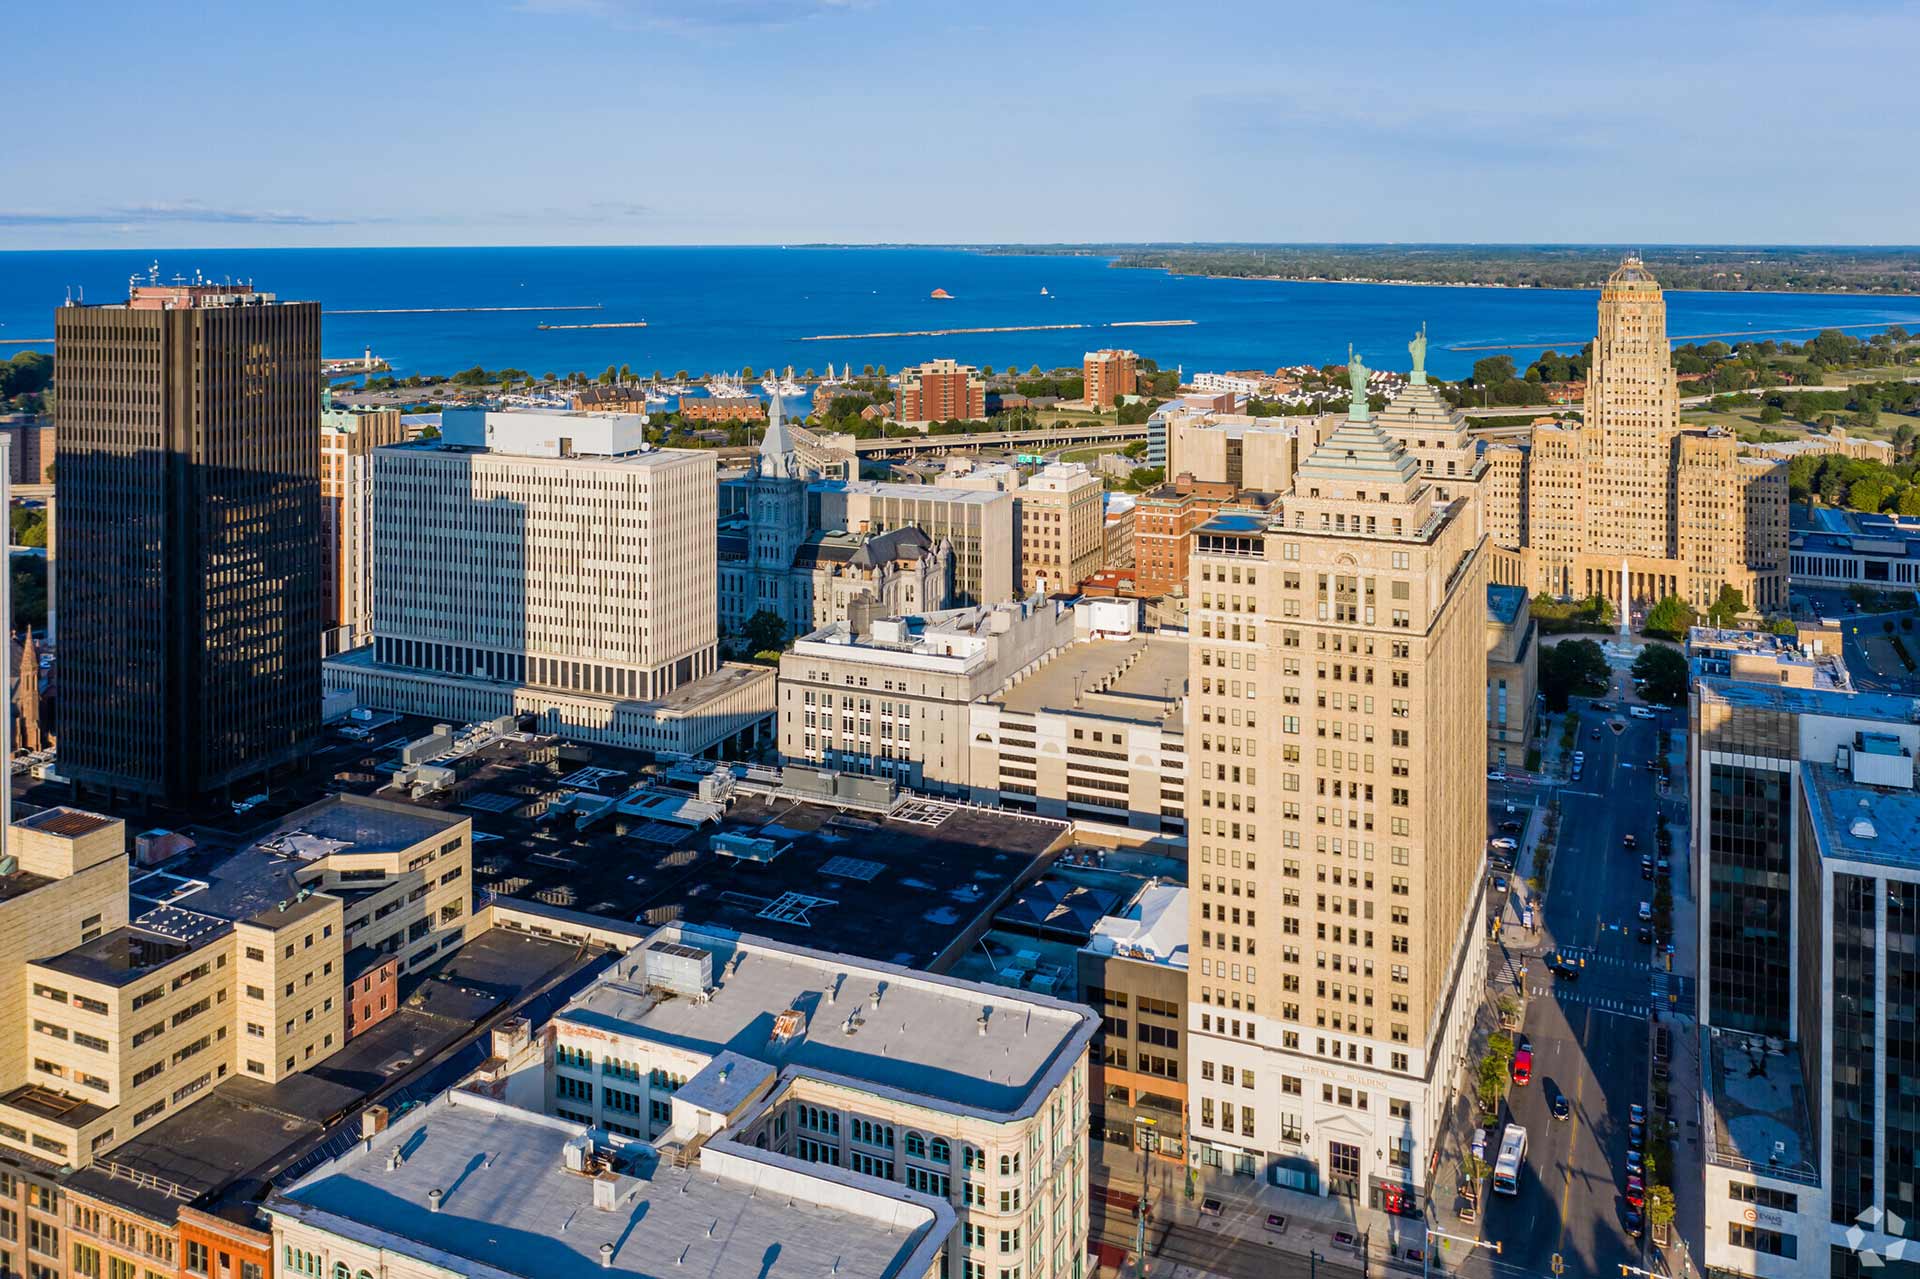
column 1748, row 420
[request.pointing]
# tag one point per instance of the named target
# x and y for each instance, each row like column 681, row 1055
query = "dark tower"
column 189, row 498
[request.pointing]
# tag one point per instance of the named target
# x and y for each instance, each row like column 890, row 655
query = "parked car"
column 1636, row 1162
column 1640, row 712
column 1596, row 734
column 1636, row 1136
column 1496, row 776
column 1634, row 1222
column 1499, row 883
column 1502, row 844
column 1636, row 1113
column 1512, row 826
column 1629, row 840
column 1636, row 1192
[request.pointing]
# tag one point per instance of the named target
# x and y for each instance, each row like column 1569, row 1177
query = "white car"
column 1503, row 844
column 1496, row 776
column 1640, row 712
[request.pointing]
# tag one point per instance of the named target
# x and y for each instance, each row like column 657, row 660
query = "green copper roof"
column 1361, row 453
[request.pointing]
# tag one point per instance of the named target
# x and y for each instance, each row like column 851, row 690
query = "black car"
column 1635, row 1223
column 1510, row 826
column 1596, row 733
column 1646, row 868
column 1645, row 935
column 1560, row 1107
column 1565, row 969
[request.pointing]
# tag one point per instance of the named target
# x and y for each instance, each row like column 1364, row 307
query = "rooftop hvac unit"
column 684, row 970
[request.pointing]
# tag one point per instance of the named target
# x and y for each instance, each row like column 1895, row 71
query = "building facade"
column 1133, row 972
column 1513, row 666
column 183, row 400
column 1336, row 804
column 1062, row 528
column 1108, row 375
column 940, row 391
column 1163, row 522
column 347, row 440
column 1628, row 491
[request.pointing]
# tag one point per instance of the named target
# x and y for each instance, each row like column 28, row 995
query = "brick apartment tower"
column 190, row 591
column 1108, row 376
column 1337, row 817
column 940, row 391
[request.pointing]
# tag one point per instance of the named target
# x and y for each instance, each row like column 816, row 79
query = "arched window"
column 939, row 1151
column 341, row 1270
column 364, row 1274
column 916, row 1145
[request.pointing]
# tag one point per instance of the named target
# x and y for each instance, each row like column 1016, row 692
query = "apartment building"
column 1062, row 528
column 939, row 391
column 230, row 967
column 1164, row 519
column 1108, row 375
column 1133, row 972
column 1626, row 490
column 894, row 698
column 973, row 1096
column 1513, row 674
column 1337, row 656
column 553, row 564
column 185, row 399
column 348, row 437
column 1094, row 733
column 1259, row 453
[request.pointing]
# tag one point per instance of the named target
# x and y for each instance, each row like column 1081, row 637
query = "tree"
column 1659, row 1207
column 1662, row 675
column 546, row 377
column 1572, row 668
column 1728, row 606
column 1669, row 618
column 1771, row 414
column 764, row 632
column 986, row 370
column 866, row 370
column 626, row 374
column 608, row 375
column 1137, row 448
column 1493, row 371
column 29, row 526
column 1034, row 371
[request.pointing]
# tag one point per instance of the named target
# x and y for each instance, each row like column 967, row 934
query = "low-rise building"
column 745, row 409
column 1513, row 666
column 1134, row 973
column 1844, row 549
column 894, row 698
column 1767, row 658
column 708, row 1042
column 1094, row 733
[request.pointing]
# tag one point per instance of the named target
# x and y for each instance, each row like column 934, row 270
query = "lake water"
column 714, row 309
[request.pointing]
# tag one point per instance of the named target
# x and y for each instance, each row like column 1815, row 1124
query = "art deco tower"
column 1633, row 413
column 1336, row 821
column 190, row 586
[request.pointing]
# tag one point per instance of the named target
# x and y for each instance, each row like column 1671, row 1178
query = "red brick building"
column 1109, row 375
column 1164, row 519
column 940, row 391
column 373, row 990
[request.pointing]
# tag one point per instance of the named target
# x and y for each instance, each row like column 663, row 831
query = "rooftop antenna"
column 153, row 272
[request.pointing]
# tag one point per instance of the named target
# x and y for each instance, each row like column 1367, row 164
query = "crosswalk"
column 1673, row 993
column 1594, row 959
column 1606, row 1003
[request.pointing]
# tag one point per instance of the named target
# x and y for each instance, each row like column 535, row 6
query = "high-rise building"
column 1679, row 512
column 191, row 588
column 1062, row 528
column 348, row 437
column 1336, row 813
column 1108, row 375
column 940, row 391
column 551, row 564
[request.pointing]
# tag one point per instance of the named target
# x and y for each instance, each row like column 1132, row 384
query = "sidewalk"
column 1689, row 1170
column 1331, row 1226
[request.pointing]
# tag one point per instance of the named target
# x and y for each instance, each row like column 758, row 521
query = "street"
column 1589, row 1034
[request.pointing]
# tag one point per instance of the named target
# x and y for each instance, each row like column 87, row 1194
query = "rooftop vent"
column 789, row 1024
column 606, row 1256
column 434, row 1197
column 606, row 1193
column 395, row 1159
column 981, row 1022
column 1862, row 827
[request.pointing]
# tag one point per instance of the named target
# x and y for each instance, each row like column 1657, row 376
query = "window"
column 196, row 1257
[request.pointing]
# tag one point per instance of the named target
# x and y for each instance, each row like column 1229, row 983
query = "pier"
column 600, row 324
column 455, row 310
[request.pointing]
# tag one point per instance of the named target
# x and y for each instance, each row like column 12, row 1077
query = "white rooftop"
column 1153, row 928
column 963, row 1045
column 544, row 432
column 509, row 1205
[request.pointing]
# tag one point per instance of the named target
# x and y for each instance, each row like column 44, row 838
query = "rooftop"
column 1504, row 603
column 1861, row 823
column 508, row 1205
column 1756, row 1117
column 1143, row 680
column 1884, row 707
column 68, row 822
column 18, row 883
column 353, row 824
column 969, row 1046
column 1152, row 928
column 117, row 958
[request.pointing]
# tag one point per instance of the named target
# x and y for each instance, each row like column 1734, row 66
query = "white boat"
column 1043, row 291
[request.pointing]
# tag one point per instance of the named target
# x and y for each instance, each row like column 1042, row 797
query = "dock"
column 599, row 324
column 998, row 328
column 455, row 310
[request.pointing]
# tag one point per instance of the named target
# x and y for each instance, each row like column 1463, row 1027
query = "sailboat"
column 1043, row 291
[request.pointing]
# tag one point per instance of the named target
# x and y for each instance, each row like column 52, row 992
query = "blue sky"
column 768, row 121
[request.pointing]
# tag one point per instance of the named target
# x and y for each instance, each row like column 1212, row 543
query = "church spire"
column 777, row 457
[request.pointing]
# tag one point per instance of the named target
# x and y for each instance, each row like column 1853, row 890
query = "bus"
column 1506, row 1169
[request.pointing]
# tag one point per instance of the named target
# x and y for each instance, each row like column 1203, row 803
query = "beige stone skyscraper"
column 1336, row 815
column 1682, row 512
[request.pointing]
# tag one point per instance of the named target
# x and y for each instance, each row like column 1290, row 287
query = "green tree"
column 866, row 370
column 29, row 526
column 1034, row 371
column 1669, row 618
column 1908, row 503
column 1659, row 1207
column 608, row 375
column 881, row 371
column 1662, row 675
column 626, row 373
column 1728, row 606
column 1771, row 414
column 1493, row 371
column 1137, row 448
column 546, row 377
column 764, row 632
column 1572, row 668
column 986, row 370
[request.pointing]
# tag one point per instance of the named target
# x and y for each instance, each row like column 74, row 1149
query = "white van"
column 1646, row 911
column 1640, row 712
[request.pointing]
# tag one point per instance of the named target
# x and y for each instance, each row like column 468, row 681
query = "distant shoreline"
column 1518, row 288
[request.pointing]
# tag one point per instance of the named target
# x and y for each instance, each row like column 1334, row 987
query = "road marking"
column 1573, row 1137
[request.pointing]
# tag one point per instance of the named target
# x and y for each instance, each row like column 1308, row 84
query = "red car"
column 1636, row 1192
column 1522, row 1066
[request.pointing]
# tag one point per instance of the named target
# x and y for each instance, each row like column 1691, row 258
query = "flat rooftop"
column 68, row 822
column 1879, row 825
column 509, row 1205
column 1758, row 1108
column 1504, row 602
column 21, row 882
column 923, row 1037
column 1142, row 680
column 117, row 958
column 353, row 824
column 1885, row 707
column 695, row 694
column 1152, row 928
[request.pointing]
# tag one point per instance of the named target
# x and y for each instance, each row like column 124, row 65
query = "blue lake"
column 714, row 309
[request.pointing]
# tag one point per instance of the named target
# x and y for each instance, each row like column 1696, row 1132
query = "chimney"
column 373, row 1121
column 606, row 1256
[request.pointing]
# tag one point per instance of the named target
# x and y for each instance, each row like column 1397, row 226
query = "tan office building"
column 1513, row 666
column 347, row 440
column 1336, row 811
column 238, row 968
column 1062, row 528
column 1679, row 512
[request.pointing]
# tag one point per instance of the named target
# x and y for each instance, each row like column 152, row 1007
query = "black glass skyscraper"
column 191, row 561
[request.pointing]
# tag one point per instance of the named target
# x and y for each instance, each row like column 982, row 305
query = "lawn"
column 1747, row 420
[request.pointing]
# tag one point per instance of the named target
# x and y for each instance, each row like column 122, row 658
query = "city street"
column 1589, row 1034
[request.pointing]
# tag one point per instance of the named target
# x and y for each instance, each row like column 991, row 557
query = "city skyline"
column 474, row 114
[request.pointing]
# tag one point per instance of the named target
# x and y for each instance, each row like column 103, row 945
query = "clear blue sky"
column 766, row 121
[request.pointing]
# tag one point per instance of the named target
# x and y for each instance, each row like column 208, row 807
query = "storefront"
column 1393, row 1197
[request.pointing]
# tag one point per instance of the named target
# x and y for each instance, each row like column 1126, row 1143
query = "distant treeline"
column 1796, row 269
